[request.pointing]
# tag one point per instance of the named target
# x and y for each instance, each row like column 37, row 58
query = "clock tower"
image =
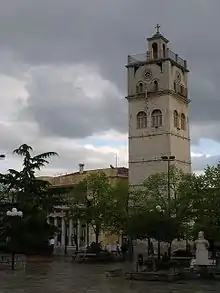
column 158, row 110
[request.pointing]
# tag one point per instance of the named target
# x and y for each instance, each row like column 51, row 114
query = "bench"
column 83, row 256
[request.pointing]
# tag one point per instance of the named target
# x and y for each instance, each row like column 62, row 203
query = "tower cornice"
column 153, row 61
column 142, row 96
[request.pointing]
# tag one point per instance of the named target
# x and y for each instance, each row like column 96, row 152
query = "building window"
column 183, row 122
column 140, row 88
column 156, row 117
column 176, row 119
column 142, row 120
column 181, row 90
column 164, row 51
column 156, row 87
column 174, row 86
column 155, row 50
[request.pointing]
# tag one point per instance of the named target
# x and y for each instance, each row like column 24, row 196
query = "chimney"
column 81, row 168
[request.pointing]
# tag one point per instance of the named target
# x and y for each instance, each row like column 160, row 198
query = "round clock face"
column 148, row 74
column 178, row 77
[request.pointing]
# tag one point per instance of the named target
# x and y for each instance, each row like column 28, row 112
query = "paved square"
column 66, row 277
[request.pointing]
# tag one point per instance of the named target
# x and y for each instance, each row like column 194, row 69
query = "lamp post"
column 66, row 234
column 159, row 210
column 168, row 159
column 13, row 214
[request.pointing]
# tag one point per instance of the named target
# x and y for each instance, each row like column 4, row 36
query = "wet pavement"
column 65, row 277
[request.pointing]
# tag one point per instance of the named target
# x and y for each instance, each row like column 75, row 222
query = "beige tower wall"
column 147, row 145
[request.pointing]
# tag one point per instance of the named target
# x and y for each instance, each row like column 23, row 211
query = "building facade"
column 67, row 227
column 157, row 86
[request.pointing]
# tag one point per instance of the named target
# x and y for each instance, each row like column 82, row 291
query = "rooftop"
column 76, row 177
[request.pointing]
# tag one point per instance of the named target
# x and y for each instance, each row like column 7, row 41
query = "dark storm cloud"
column 104, row 33
column 62, row 109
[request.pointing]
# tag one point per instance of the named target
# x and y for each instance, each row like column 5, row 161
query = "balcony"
column 148, row 56
column 180, row 90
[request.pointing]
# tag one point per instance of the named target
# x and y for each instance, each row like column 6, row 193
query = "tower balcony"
column 149, row 56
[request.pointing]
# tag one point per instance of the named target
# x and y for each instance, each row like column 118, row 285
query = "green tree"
column 204, row 191
column 173, row 208
column 119, row 208
column 33, row 196
column 91, row 201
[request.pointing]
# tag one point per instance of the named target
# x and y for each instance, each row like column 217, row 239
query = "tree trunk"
column 96, row 237
column 97, row 233
column 130, row 248
column 158, row 249
column 148, row 245
column 169, row 249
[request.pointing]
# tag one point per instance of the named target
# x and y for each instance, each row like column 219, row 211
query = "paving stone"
column 66, row 277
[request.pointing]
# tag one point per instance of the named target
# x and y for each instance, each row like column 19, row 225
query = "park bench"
column 84, row 256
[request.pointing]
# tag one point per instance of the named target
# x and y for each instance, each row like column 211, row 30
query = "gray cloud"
column 63, row 109
column 200, row 163
column 53, row 34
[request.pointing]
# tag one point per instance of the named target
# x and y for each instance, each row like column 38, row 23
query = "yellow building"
column 85, row 234
column 68, row 180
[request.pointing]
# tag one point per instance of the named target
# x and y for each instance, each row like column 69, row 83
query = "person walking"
column 51, row 243
column 118, row 248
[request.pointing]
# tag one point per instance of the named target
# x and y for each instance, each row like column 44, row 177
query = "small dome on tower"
column 158, row 35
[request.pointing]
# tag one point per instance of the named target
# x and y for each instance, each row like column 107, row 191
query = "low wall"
column 6, row 261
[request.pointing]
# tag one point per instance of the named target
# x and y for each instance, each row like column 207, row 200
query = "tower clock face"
column 148, row 74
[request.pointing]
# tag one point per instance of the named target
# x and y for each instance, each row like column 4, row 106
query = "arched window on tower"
column 142, row 119
column 140, row 88
column 183, row 122
column 164, row 51
column 156, row 86
column 176, row 119
column 155, row 50
column 156, row 118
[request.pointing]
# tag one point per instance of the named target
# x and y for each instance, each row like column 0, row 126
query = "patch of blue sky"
column 207, row 147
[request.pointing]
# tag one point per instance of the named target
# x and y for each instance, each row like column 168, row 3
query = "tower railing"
column 143, row 57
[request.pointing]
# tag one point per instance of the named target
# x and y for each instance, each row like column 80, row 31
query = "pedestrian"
column 124, row 249
column 118, row 248
column 51, row 243
column 140, row 262
column 151, row 250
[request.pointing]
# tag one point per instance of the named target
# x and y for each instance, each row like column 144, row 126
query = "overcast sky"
column 62, row 75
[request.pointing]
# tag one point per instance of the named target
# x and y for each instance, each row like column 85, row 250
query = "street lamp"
column 168, row 159
column 13, row 214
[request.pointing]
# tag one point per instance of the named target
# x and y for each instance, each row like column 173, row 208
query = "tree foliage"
column 91, row 201
column 117, row 222
column 33, row 196
column 157, row 213
column 204, row 190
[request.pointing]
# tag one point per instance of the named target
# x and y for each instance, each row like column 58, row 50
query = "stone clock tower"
column 158, row 110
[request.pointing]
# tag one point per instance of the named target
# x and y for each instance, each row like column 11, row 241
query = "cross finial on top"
column 157, row 27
